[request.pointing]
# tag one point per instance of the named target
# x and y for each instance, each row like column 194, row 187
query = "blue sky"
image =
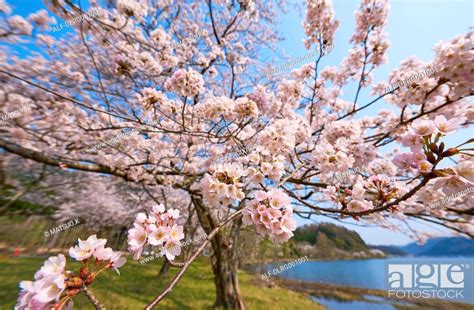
column 414, row 27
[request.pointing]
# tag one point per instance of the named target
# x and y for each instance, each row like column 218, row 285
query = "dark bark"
column 2, row 173
column 164, row 269
column 119, row 238
column 224, row 266
column 223, row 259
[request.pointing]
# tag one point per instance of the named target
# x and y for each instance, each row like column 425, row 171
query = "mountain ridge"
column 440, row 246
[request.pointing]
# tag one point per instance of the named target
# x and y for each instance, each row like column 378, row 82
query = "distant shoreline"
column 347, row 294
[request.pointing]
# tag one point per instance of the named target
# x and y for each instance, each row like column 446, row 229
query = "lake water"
column 364, row 273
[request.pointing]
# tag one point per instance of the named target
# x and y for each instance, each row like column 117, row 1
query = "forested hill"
column 326, row 240
column 327, row 235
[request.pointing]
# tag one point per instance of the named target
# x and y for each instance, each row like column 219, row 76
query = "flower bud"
column 73, row 292
column 90, row 279
column 450, row 152
column 441, row 147
column 433, row 147
column 431, row 157
column 83, row 273
column 75, row 282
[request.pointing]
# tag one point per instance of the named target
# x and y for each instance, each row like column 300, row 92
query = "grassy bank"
column 138, row 284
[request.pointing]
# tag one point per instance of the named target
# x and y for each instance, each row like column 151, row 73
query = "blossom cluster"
column 451, row 197
column 133, row 8
column 214, row 108
column 235, row 152
column 371, row 20
column 150, row 97
column 417, row 91
column 364, row 194
column 320, row 23
column 280, row 137
column 185, row 83
column 158, row 228
column 422, row 138
column 182, row 244
column 77, row 19
column 454, row 58
column 121, row 136
column 224, row 185
column 189, row 40
column 53, row 286
column 456, row 179
column 342, row 148
column 290, row 64
column 328, row 158
column 411, row 79
column 16, row 113
column 272, row 214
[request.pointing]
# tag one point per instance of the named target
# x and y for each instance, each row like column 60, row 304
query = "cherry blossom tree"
column 134, row 93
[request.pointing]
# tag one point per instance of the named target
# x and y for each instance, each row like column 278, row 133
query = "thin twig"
column 93, row 299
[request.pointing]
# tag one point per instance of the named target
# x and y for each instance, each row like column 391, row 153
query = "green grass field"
column 138, row 284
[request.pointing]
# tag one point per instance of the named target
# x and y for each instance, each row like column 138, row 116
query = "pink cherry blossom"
column 425, row 166
column 358, row 191
column 403, row 161
column 423, row 127
column 412, row 140
column 50, row 288
column 446, row 127
column 451, row 183
column 357, row 206
column 52, row 285
column 103, row 253
column 26, row 298
column 137, row 238
column 117, row 260
column 185, row 83
column 171, row 249
column 157, row 209
column 86, row 248
column 52, row 266
column 157, row 228
column 260, row 195
column 288, row 224
column 176, row 233
column 159, row 236
column 273, row 215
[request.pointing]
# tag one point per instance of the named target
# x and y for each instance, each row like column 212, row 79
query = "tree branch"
column 93, row 299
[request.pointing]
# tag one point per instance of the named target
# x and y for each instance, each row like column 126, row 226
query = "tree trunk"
column 119, row 240
column 164, row 269
column 223, row 259
column 224, row 266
